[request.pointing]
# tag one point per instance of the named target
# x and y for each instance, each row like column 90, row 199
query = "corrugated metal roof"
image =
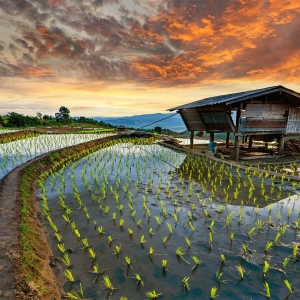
column 236, row 97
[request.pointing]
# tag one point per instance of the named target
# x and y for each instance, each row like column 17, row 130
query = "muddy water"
column 146, row 178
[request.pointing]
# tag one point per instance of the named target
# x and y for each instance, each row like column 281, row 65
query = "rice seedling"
column 180, row 253
column 277, row 237
column 151, row 251
column 164, row 239
column 108, row 284
column 58, row 237
column 152, row 294
column 290, row 288
column 192, row 226
column 139, row 279
column 295, row 252
column 211, row 240
column 211, row 226
column 285, row 262
column 121, row 222
column 142, row 240
column 240, row 271
column 117, row 250
column 128, row 261
column 213, row 292
column 259, row 224
column 61, row 247
column 231, row 237
column 229, row 219
column 289, row 213
column 185, row 283
column 188, row 241
column 297, row 223
column 68, row 274
column 109, row 238
column 267, row 290
column 170, row 228
column 283, row 229
column 266, row 268
column 76, row 295
column 245, row 249
column 92, row 253
column 206, row 213
column 66, row 260
column 130, row 231
column 100, row 230
column 157, row 218
column 250, row 232
column 268, row 246
column 223, row 258
column 197, row 262
column 164, row 264
column 175, row 216
column 85, row 243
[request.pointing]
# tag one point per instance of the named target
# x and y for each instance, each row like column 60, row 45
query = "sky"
column 129, row 57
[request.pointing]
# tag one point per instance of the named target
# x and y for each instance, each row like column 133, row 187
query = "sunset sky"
column 127, row 57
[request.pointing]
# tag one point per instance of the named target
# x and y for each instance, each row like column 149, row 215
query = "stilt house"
column 271, row 113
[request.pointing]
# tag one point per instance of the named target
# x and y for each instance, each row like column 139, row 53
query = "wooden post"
column 237, row 125
column 281, row 146
column 243, row 139
column 236, row 148
column 250, row 143
column 192, row 140
column 212, row 136
column 227, row 140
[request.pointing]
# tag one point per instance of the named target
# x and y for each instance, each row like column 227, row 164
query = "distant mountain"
column 174, row 123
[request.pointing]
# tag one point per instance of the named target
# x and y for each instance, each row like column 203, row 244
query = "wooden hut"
column 272, row 112
column 121, row 128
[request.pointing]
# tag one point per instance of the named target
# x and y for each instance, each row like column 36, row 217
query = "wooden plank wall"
column 293, row 123
column 264, row 118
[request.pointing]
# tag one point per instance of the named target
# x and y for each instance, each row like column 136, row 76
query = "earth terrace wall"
column 18, row 135
column 25, row 254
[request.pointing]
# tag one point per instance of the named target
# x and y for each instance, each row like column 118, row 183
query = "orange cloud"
column 180, row 42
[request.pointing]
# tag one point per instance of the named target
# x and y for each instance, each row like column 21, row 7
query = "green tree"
column 63, row 115
column 16, row 119
column 158, row 129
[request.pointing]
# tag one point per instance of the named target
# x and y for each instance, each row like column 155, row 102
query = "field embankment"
column 16, row 135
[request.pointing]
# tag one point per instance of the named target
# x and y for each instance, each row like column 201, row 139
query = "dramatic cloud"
column 155, row 44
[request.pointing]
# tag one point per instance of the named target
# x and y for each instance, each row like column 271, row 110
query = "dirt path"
column 11, row 284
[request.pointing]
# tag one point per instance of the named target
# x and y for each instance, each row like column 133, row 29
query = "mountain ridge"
column 174, row 123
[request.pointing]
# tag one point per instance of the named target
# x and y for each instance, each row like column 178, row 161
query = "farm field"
column 15, row 153
column 143, row 221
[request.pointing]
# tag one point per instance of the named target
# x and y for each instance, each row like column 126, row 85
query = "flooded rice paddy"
column 155, row 220
column 15, row 153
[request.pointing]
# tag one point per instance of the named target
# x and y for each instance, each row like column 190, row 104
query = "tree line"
column 62, row 117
